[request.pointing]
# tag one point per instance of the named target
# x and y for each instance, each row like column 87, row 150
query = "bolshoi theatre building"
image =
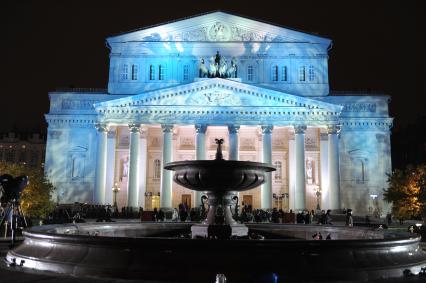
column 175, row 87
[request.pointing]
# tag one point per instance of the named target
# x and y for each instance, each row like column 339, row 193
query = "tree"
column 36, row 198
column 407, row 192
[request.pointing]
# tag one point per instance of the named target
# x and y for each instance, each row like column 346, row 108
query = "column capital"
column 267, row 129
column 200, row 128
column 333, row 129
column 167, row 128
column 299, row 129
column 135, row 128
column 101, row 127
column 233, row 129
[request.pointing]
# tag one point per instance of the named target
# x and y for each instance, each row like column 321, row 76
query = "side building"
column 264, row 89
column 25, row 149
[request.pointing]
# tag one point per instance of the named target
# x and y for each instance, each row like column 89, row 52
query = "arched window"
column 275, row 73
column 250, row 73
column 278, row 172
column 125, row 72
column 161, row 72
column 284, row 73
column 134, row 72
column 302, row 73
column 311, row 73
column 151, row 72
column 185, row 72
column 157, row 169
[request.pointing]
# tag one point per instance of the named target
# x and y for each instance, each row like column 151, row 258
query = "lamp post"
column 318, row 195
column 115, row 190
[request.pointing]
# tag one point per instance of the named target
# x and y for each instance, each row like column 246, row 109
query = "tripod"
column 12, row 215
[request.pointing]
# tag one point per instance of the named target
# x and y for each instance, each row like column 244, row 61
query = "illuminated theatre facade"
column 174, row 88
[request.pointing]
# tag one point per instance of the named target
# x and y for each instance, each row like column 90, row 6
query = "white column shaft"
column 266, row 189
column 132, row 193
column 166, row 175
column 200, row 143
column 101, row 165
column 324, row 173
column 142, row 170
column 333, row 170
column 299, row 140
column 110, row 167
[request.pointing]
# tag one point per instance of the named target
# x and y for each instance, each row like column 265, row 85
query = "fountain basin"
column 148, row 251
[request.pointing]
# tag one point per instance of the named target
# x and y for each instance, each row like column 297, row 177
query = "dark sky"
column 377, row 45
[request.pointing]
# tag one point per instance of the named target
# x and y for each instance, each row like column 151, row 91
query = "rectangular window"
column 134, row 72
column 125, row 72
column 250, row 73
column 311, row 73
column 151, row 72
column 284, row 73
column 275, row 73
column 186, row 72
column 302, row 73
column 161, row 72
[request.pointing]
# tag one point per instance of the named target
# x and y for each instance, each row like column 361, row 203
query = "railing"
column 82, row 89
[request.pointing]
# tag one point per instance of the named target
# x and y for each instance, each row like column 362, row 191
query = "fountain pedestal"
column 222, row 202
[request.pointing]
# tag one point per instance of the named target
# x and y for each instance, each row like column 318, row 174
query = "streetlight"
column 318, row 194
column 115, row 190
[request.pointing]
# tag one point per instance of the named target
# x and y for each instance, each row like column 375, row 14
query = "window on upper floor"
column 185, row 72
column 151, row 72
column 125, row 72
column 250, row 73
column 275, row 73
column 161, row 72
column 284, row 76
column 134, row 72
column 278, row 172
column 311, row 73
column 302, row 73
column 157, row 169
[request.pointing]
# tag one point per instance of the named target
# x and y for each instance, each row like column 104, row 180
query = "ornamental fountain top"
column 219, row 179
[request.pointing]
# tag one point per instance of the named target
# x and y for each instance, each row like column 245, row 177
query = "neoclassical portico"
column 214, row 103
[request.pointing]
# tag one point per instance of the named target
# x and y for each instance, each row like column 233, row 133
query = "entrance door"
column 248, row 200
column 186, row 199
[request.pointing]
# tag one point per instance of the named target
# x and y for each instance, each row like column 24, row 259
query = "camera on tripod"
column 11, row 213
column 12, row 187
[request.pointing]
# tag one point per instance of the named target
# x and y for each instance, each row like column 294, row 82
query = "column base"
column 168, row 213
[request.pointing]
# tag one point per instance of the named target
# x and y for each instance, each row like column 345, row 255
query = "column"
column 333, row 166
column 200, row 144
column 299, row 152
column 234, row 151
column 110, row 166
column 166, row 175
column 132, row 192
column 324, row 171
column 101, row 164
column 266, row 188
column 142, row 166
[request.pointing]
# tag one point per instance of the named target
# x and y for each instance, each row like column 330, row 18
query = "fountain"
column 160, row 251
column 219, row 178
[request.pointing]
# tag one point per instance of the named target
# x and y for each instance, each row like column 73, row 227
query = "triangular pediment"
column 218, row 26
column 218, row 92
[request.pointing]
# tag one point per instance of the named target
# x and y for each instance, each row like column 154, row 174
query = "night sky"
column 45, row 45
